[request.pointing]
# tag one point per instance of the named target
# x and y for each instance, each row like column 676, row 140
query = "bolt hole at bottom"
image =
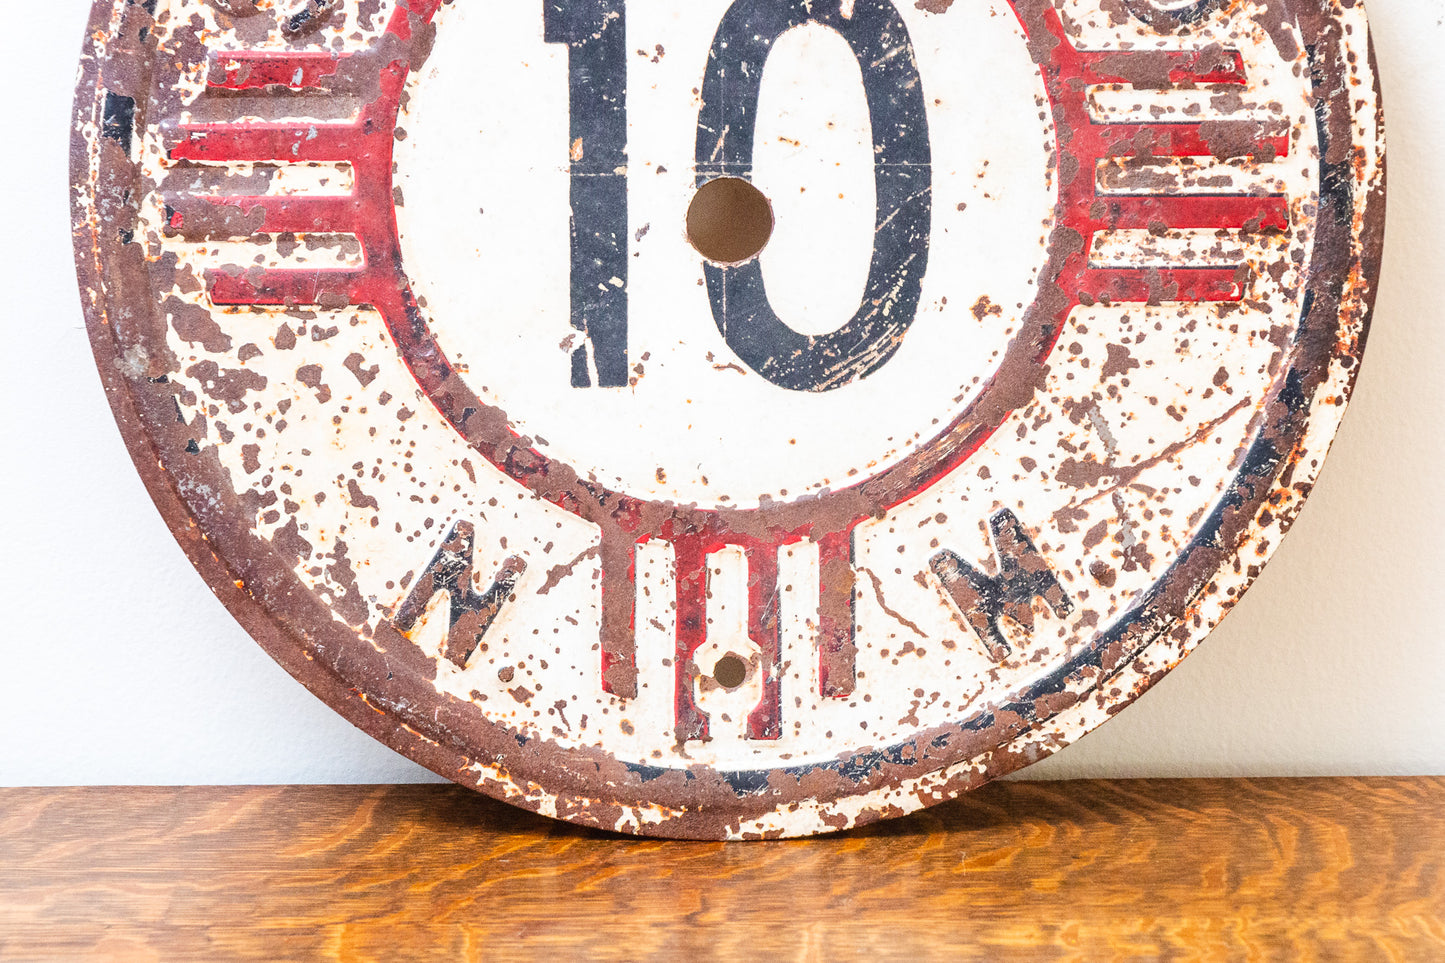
column 730, row 672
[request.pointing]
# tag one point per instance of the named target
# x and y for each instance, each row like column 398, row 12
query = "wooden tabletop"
column 1298, row 870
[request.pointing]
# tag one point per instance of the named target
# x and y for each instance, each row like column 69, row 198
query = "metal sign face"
column 1025, row 333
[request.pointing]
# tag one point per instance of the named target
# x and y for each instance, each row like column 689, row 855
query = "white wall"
column 118, row 666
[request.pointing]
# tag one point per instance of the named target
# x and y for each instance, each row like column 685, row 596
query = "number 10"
column 595, row 32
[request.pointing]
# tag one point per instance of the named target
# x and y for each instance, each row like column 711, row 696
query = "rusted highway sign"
column 728, row 418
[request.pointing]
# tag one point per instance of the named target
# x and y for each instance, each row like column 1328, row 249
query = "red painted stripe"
column 282, row 286
column 765, row 721
column 690, row 577
column 1159, row 285
column 1184, row 212
column 1174, row 140
column 298, row 215
column 1183, row 66
column 253, row 71
column 268, row 142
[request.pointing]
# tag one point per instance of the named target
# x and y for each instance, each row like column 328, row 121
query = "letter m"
column 985, row 599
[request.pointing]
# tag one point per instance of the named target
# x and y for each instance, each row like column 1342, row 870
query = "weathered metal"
column 397, row 311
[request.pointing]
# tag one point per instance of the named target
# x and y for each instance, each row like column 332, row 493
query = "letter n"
column 471, row 612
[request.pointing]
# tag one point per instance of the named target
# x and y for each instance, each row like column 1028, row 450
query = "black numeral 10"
column 595, row 32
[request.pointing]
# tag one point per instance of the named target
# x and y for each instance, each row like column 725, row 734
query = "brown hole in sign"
column 729, row 220
column 730, row 671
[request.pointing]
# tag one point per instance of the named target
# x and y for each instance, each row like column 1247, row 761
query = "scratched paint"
column 397, row 311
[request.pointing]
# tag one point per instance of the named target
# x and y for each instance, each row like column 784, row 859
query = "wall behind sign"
column 120, row 667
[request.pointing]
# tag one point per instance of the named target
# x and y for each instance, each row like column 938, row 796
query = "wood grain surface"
column 1294, row 870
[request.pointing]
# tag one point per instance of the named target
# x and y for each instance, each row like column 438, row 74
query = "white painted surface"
column 120, row 667
column 674, row 435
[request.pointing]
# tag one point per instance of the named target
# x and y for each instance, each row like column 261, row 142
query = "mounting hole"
column 730, row 672
column 729, row 220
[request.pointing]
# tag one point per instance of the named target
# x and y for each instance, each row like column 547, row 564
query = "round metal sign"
column 728, row 418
